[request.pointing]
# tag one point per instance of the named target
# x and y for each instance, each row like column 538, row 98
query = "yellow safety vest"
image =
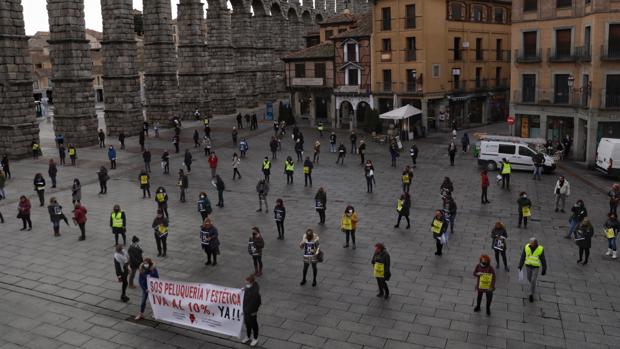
column 162, row 230
column 346, row 223
column 306, row 169
column 206, row 121
column 533, row 258
column 35, row 146
column 406, row 178
column 160, row 197
column 437, row 224
column 144, row 179
column 399, row 205
column 71, row 151
column 117, row 219
column 484, row 282
column 379, row 270
column 289, row 166
column 266, row 164
column 507, row 168
column 526, row 211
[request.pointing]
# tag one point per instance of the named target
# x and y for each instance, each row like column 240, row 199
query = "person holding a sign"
column 612, row 226
column 413, row 152
column 579, row 213
column 145, row 183
column 279, row 213
column 485, row 282
column 406, row 178
column 147, row 268
column 310, row 246
column 317, row 151
column 342, row 152
column 160, row 230
column 255, row 249
column 348, row 224
column 583, row 239
column 369, row 173
column 499, row 237
column 183, row 184
column 210, row 241
column 165, row 162
column 332, row 142
column 204, row 205
column 251, row 303
column 262, row 189
column 533, row 257
column 561, row 191
column 266, row 168
column 525, row 209
column 308, row 166
column 56, row 215
column 161, row 198
column 439, row 225
column 320, row 204
column 39, row 187
column 381, row 269
column 402, row 207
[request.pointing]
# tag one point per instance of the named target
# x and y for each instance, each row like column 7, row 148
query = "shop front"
column 558, row 127
column 528, row 126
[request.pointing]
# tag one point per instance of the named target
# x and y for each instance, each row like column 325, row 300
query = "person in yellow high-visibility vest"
column 35, row 149
column 406, row 177
column 485, row 282
column 308, row 166
column 145, row 183
column 161, row 198
column 72, row 154
column 348, row 224
column 402, row 207
column 289, row 169
column 505, row 172
column 439, row 225
column 525, row 209
column 533, row 257
column 381, row 269
column 266, row 168
column 118, row 222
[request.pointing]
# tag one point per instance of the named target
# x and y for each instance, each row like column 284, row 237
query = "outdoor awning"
column 401, row 113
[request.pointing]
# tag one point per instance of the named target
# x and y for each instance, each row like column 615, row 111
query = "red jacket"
column 24, row 207
column 484, row 180
column 79, row 215
column 213, row 161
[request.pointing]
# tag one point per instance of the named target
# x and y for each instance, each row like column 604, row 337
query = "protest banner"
column 203, row 306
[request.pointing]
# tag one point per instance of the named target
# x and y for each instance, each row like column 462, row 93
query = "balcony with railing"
column 610, row 53
column 528, row 56
column 610, row 99
column 561, row 55
column 456, row 54
column 572, row 98
column 385, row 87
column 409, row 55
column 583, row 53
column 501, row 55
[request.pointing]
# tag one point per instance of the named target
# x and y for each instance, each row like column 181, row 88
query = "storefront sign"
column 203, row 306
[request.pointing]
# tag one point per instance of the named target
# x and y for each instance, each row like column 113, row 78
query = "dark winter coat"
column 383, row 257
column 251, row 300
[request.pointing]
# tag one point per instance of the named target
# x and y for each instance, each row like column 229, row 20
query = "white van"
column 608, row 156
column 519, row 155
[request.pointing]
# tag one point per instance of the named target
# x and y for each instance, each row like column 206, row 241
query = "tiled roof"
column 340, row 18
column 323, row 50
column 363, row 27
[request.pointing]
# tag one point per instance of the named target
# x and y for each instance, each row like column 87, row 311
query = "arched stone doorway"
column 345, row 114
column 360, row 114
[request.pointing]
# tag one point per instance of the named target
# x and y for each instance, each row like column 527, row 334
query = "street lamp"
column 571, row 81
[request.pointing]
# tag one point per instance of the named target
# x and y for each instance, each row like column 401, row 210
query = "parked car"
column 519, row 154
column 608, row 157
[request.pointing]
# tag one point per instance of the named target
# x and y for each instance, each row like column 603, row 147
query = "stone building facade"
column 18, row 124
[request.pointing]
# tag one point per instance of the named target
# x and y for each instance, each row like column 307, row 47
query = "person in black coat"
column 251, row 304
column 121, row 265
column 39, row 187
column 499, row 237
column 52, row 171
column 135, row 259
column 583, row 238
column 402, row 207
column 103, row 177
column 381, row 269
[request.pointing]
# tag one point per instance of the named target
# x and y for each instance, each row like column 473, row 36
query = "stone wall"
column 192, row 60
column 220, row 58
column 121, row 81
column 160, row 63
column 246, row 63
column 18, row 124
column 74, row 97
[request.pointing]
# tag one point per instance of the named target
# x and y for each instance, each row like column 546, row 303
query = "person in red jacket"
column 485, row 282
column 79, row 218
column 23, row 212
column 484, row 184
column 213, row 163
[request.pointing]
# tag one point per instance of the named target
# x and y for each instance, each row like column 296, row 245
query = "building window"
column 476, row 13
column 456, row 11
column 530, row 5
column 613, row 42
column 587, row 43
column 319, row 70
column 410, row 16
column 387, row 80
column 329, row 34
column 612, row 91
column 563, row 42
column 456, row 78
column 498, row 49
column 435, row 71
column 386, row 18
column 529, row 88
column 342, row 30
column 563, row 3
column 351, row 53
column 498, row 76
column 530, row 44
column 300, row 70
column 386, row 45
column 352, row 77
column 410, row 49
column 411, row 80
column 561, row 89
column 585, row 89
column 479, row 55
column 499, row 15
column 478, row 77
column 457, row 49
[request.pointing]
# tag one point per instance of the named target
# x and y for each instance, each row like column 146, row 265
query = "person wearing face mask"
column 611, row 228
column 381, row 269
column 348, row 224
column 533, row 257
column 210, row 241
column 204, row 205
column 161, row 197
column 160, row 230
column 56, row 215
column 145, row 183
column 251, row 304
column 310, row 246
column 255, row 249
column 561, row 191
column 320, row 204
column 369, row 174
column 147, row 268
column 112, row 157
column 583, row 239
column 39, row 187
column 118, row 222
column 279, row 213
column 485, row 282
column 135, row 259
column 578, row 214
column 79, row 218
column 402, row 207
column 498, row 243
column 121, row 265
column 439, row 225
column 525, row 209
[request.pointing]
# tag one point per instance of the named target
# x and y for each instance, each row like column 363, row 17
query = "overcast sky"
column 35, row 14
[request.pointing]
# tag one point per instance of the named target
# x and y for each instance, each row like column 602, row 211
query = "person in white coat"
column 561, row 191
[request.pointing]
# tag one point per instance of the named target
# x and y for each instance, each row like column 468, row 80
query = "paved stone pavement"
column 61, row 293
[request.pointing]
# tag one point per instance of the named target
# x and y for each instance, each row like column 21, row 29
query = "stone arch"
column 292, row 15
column 346, row 113
column 276, row 11
column 318, row 18
column 360, row 112
column 260, row 8
column 306, row 18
